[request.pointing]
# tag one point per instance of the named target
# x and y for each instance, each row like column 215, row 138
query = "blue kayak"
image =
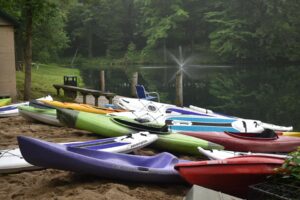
column 197, row 123
column 158, row 168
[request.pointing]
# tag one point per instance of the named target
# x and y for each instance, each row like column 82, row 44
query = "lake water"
column 269, row 93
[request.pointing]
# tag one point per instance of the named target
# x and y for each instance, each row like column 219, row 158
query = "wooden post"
column 96, row 100
column 179, row 93
column 134, row 82
column 102, row 81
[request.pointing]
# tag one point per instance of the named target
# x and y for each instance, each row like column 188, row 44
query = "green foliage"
column 289, row 172
column 49, row 36
column 254, row 94
column 131, row 55
column 291, row 166
column 159, row 18
column 233, row 30
column 255, row 30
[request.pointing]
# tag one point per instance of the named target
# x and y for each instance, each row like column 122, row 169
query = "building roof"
column 9, row 18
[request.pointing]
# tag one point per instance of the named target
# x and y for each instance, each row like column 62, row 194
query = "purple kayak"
column 158, row 168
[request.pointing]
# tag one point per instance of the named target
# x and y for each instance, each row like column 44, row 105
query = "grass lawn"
column 43, row 77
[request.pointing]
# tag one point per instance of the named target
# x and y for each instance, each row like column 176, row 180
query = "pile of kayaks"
column 241, row 151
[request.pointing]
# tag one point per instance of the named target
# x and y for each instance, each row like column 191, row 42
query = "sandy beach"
column 57, row 184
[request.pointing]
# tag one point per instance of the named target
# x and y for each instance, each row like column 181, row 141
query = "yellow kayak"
column 81, row 107
column 293, row 134
column 5, row 101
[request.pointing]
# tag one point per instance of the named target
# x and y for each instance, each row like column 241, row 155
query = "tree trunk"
column 134, row 82
column 179, row 89
column 165, row 51
column 90, row 41
column 102, row 80
column 28, row 51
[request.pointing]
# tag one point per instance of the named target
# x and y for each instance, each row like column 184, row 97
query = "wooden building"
column 7, row 56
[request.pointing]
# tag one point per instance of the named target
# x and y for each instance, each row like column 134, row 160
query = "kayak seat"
column 268, row 133
column 143, row 94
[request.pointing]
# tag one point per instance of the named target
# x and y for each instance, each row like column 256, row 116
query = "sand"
column 57, row 184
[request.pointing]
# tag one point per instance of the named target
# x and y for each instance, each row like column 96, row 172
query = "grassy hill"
column 43, row 77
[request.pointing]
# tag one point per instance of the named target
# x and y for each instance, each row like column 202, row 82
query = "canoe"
column 231, row 176
column 5, row 101
column 193, row 123
column 81, row 107
column 12, row 161
column 108, row 126
column 260, row 142
column 47, row 116
column 158, row 168
column 12, row 110
column 215, row 154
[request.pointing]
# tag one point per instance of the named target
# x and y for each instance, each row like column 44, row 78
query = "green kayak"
column 47, row 116
column 116, row 126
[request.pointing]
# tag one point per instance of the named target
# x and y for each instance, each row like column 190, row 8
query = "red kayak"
column 253, row 142
column 232, row 175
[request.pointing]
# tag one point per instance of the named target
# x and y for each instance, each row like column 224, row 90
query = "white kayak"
column 11, row 160
column 222, row 154
column 12, row 110
column 150, row 110
column 142, row 105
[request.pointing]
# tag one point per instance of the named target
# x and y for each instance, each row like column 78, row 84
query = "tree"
column 257, row 31
column 158, row 18
column 36, row 17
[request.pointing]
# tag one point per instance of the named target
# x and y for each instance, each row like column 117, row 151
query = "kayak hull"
column 193, row 123
column 158, row 168
column 12, row 110
column 231, row 176
column 291, row 134
column 237, row 142
column 222, row 154
column 12, row 160
column 81, row 107
column 47, row 116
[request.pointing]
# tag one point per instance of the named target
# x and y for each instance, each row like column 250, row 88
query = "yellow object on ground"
column 5, row 101
column 81, row 107
column 293, row 134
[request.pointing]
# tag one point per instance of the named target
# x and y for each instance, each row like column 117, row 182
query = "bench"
column 84, row 92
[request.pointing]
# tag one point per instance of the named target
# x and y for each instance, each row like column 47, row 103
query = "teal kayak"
column 109, row 126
